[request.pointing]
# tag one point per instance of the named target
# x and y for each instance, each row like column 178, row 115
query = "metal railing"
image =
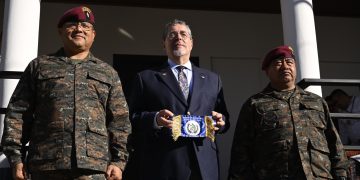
column 306, row 82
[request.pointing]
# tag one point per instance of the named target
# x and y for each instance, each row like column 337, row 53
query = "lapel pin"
column 202, row 76
column 164, row 74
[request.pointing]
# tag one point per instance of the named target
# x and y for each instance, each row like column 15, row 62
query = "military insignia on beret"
column 87, row 14
column 291, row 49
column 85, row 9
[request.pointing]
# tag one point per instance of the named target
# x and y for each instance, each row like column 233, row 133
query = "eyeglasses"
column 288, row 61
column 183, row 35
column 73, row 25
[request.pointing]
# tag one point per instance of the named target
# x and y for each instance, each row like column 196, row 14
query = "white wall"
column 230, row 43
column 226, row 34
column 241, row 78
column 338, row 45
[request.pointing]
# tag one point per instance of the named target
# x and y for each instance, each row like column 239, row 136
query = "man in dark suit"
column 177, row 88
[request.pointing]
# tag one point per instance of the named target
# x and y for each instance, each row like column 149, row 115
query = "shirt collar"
column 61, row 54
column 174, row 65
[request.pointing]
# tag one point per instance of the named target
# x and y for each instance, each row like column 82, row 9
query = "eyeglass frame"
column 287, row 60
column 184, row 35
column 84, row 25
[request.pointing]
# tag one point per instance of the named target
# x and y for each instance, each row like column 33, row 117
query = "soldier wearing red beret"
column 284, row 132
column 69, row 106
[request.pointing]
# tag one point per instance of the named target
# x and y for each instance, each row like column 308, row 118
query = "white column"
column 19, row 45
column 299, row 33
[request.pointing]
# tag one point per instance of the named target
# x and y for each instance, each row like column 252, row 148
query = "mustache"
column 178, row 44
column 78, row 35
column 286, row 72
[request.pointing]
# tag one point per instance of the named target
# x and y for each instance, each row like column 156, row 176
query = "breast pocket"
column 99, row 86
column 269, row 120
column 314, row 111
column 273, row 115
column 314, row 115
column 51, row 84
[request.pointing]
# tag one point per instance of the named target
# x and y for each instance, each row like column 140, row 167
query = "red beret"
column 77, row 14
column 278, row 52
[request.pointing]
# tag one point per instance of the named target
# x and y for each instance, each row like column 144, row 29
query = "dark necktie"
column 183, row 81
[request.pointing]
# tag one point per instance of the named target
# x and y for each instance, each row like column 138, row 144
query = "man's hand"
column 218, row 119
column 163, row 118
column 19, row 172
column 113, row 173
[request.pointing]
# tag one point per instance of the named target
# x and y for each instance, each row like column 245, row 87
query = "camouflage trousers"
column 68, row 175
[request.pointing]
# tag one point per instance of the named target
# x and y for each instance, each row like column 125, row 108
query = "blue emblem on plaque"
column 193, row 126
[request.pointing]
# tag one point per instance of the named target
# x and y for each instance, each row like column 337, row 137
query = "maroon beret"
column 77, row 14
column 278, row 52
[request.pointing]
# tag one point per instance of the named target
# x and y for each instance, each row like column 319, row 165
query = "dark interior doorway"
column 128, row 66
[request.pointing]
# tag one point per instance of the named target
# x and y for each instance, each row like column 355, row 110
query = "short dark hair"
column 328, row 98
column 172, row 23
column 338, row 92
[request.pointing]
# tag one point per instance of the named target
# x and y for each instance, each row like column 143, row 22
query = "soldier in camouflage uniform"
column 71, row 109
column 285, row 132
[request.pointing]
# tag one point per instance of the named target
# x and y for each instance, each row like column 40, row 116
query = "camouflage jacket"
column 267, row 127
column 64, row 108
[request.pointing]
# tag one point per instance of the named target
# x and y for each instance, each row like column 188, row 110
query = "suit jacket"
column 154, row 154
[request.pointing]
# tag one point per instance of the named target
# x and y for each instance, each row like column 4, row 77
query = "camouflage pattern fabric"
column 73, row 114
column 286, row 137
column 78, row 174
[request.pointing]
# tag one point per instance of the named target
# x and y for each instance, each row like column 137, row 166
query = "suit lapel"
column 168, row 78
column 199, row 80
